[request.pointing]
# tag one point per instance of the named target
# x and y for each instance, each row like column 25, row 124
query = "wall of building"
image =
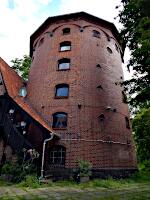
column 86, row 137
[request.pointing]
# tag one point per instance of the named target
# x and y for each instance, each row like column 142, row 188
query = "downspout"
column 43, row 155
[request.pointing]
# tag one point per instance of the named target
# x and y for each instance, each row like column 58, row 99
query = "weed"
column 30, row 181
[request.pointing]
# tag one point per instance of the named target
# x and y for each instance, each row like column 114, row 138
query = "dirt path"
column 137, row 192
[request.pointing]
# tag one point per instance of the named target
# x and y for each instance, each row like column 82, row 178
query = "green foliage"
column 19, row 170
column 84, row 168
column 141, row 128
column 145, row 166
column 22, row 66
column 30, row 181
column 135, row 17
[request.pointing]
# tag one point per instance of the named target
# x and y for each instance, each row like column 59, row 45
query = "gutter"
column 43, row 155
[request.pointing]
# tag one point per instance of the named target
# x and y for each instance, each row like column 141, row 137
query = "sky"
column 20, row 18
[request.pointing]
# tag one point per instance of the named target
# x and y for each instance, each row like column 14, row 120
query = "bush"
column 16, row 172
column 84, row 168
column 30, row 181
column 145, row 166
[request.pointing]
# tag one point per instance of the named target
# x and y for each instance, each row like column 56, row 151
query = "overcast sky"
column 20, row 18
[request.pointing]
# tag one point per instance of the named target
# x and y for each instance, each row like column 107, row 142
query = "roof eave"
column 84, row 15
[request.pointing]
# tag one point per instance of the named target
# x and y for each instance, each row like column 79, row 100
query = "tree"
column 22, row 66
column 135, row 17
column 141, row 128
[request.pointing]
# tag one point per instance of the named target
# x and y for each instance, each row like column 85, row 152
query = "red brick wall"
column 83, row 78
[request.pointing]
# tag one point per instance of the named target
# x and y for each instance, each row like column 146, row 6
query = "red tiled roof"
column 13, row 82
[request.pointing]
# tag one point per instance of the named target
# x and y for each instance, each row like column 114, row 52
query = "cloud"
column 101, row 8
column 19, row 19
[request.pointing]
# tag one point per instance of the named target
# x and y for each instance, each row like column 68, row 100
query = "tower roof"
column 77, row 15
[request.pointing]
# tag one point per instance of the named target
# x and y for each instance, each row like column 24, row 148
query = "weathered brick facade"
column 96, row 129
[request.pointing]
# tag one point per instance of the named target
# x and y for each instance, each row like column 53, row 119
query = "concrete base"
column 117, row 173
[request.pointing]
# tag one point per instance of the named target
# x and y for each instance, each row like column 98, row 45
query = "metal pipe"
column 43, row 155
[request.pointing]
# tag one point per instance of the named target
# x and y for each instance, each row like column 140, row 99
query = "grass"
column 134, row 188
column 32, row 182
column 140, row 177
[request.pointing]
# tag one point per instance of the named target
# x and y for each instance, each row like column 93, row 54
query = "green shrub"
column 145, row 166
column 84, row 168
column 19, row 170
column 30, row 181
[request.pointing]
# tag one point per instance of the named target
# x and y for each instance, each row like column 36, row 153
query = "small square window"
column 65, row 46
column 66, row 31
column 64, row 64
column 96, row 34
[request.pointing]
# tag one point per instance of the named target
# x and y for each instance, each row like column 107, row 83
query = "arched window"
column 96, row 34
column 64, row 64
column 65, row 46
column 62, row 91
column 66, row 31
column 57, row 155
column 127, row 122
column 60, row 120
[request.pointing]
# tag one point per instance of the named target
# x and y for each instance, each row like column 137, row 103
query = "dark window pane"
column 62, row 91
column 59, row 120
column 66, row 31
column 58, row 157
column 64, row 66
column 65, row 46
column 96, row 34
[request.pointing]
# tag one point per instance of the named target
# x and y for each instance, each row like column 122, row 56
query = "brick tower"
column 73, row 85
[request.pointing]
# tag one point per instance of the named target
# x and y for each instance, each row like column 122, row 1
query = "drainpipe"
column 43, row 155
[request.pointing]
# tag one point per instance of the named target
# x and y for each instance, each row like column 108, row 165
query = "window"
column 98, row 65
column 109, row 50
column 127, row 122
column 66, row 31
column 96, row 34
column 57, row 155
column 81, row 29
column 101, row 117
column 23, row 92
column 62, row 91
column 64, row 64
column 99, row 87
column 65, row 46
column 60, row 120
